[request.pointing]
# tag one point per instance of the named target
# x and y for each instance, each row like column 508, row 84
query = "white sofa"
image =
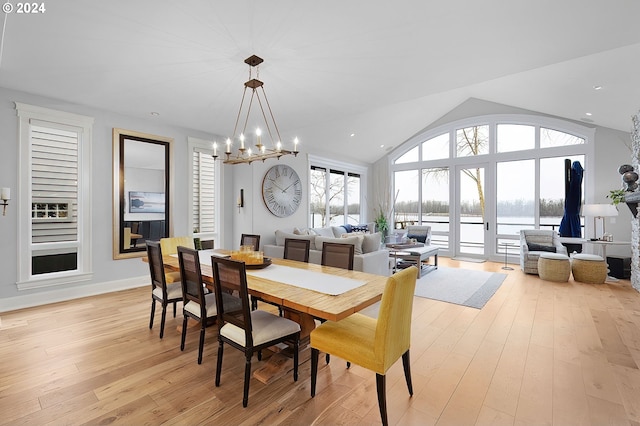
column 369, row 256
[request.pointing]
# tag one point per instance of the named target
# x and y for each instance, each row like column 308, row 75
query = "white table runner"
column 311, row 280
column 205, row 256
column 317, row 281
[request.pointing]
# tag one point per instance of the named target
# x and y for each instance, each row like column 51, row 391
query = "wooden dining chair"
column 161, row 291
column 197, row 304
column 338, row 255
column 250, row 331
column 375, row 344
column 295, row 249
column 250, row 240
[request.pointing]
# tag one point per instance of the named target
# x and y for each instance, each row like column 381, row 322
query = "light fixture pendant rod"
column 246, row 119
column 264, row 116
column 271, row 114
column 235, row 128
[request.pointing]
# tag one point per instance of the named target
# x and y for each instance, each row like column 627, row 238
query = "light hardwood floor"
column 537, row 353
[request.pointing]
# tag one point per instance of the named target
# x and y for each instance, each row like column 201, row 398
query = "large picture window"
column 477, row 182
column 335, row 192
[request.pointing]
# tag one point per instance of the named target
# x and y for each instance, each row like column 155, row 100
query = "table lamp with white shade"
column 599, row 211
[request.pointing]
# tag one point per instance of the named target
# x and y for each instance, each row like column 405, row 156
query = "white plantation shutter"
column 204, row 212
column 54, row 179
column 54, row 218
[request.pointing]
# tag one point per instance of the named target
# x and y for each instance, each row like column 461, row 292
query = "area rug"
column 460, row 286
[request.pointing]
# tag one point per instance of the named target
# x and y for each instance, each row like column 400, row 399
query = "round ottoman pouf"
column 589, row 268
column 554, row 267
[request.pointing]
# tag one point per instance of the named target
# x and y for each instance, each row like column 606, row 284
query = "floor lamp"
column 599, row 211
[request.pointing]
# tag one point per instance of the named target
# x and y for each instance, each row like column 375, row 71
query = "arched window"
column 478, row 181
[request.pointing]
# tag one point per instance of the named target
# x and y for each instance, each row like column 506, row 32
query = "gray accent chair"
column 541, row 238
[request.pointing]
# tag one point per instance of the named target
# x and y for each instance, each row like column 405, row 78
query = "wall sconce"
column 241, row 200
column 6, row 196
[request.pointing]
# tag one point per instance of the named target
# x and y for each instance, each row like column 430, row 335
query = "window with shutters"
column 204, row 189
column 54, row 218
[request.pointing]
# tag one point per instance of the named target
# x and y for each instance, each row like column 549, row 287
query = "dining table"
column 305, row 291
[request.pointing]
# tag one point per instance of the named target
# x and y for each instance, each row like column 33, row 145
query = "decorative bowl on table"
column 266, row 262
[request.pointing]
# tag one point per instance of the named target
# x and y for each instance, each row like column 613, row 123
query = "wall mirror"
column 142, row 191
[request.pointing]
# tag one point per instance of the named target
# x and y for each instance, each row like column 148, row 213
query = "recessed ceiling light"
column 588, row 114
column 155, row 114
column 352, row 134
column 382, row 146
column 597, row 87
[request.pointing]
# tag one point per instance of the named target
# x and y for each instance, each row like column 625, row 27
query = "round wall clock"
column 281, row 190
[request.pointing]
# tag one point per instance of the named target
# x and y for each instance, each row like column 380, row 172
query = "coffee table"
column 414, row 254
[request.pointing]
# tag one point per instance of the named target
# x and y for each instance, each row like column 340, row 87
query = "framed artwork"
column 146, row 202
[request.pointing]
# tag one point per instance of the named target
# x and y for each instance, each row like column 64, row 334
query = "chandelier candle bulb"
column 241, row 140
column 295, row 145
column 278, row 147
column 228, row 146
column 258, row 134
column 215, row 149
column 6, row 194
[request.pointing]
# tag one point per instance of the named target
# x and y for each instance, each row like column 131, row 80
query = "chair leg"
column 296, row 346
column 153, row 312
column 247, row 378
column 201, row 345
column 259, row 355
column 254, row 303
column 164, row 316
column 327, row 358
column 219, row 364
column 184, row 332
column 382, row 397
column 348, row 365
column 314, row 370
column 407, row 371
column 174, row 309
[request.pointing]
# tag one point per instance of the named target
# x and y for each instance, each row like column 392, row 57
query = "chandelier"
column 243, row 154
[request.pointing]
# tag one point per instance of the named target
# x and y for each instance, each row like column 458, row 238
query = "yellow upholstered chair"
column 170, row 246
column 375, row 344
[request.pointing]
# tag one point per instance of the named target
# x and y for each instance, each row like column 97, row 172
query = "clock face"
column 281, row 190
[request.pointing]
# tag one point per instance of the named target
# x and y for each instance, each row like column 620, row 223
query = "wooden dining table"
column 301, row 304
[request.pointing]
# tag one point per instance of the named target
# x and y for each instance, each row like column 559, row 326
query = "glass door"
column 472, row 228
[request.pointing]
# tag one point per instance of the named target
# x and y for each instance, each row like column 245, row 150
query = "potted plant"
column 617, row 196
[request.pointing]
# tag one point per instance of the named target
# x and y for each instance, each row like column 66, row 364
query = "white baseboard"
column 61, row 295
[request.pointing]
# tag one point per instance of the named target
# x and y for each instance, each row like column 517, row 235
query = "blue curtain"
column 570, row 224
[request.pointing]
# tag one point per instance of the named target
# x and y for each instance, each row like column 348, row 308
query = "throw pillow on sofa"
column 324, row 232
column 541, row 247
column 354, row 240
column 281, row 236
column 303, row 231
column 371, row 242
column 360, row 228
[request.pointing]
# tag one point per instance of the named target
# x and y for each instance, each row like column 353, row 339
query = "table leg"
column 506, row 252
column 281, row 362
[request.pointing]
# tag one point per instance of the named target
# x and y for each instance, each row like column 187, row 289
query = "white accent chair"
column 536, row 241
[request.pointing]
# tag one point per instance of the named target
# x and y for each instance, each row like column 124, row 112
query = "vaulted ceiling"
column 381, row 70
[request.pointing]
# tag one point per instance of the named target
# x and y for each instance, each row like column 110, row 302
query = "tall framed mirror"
column 142, row 191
